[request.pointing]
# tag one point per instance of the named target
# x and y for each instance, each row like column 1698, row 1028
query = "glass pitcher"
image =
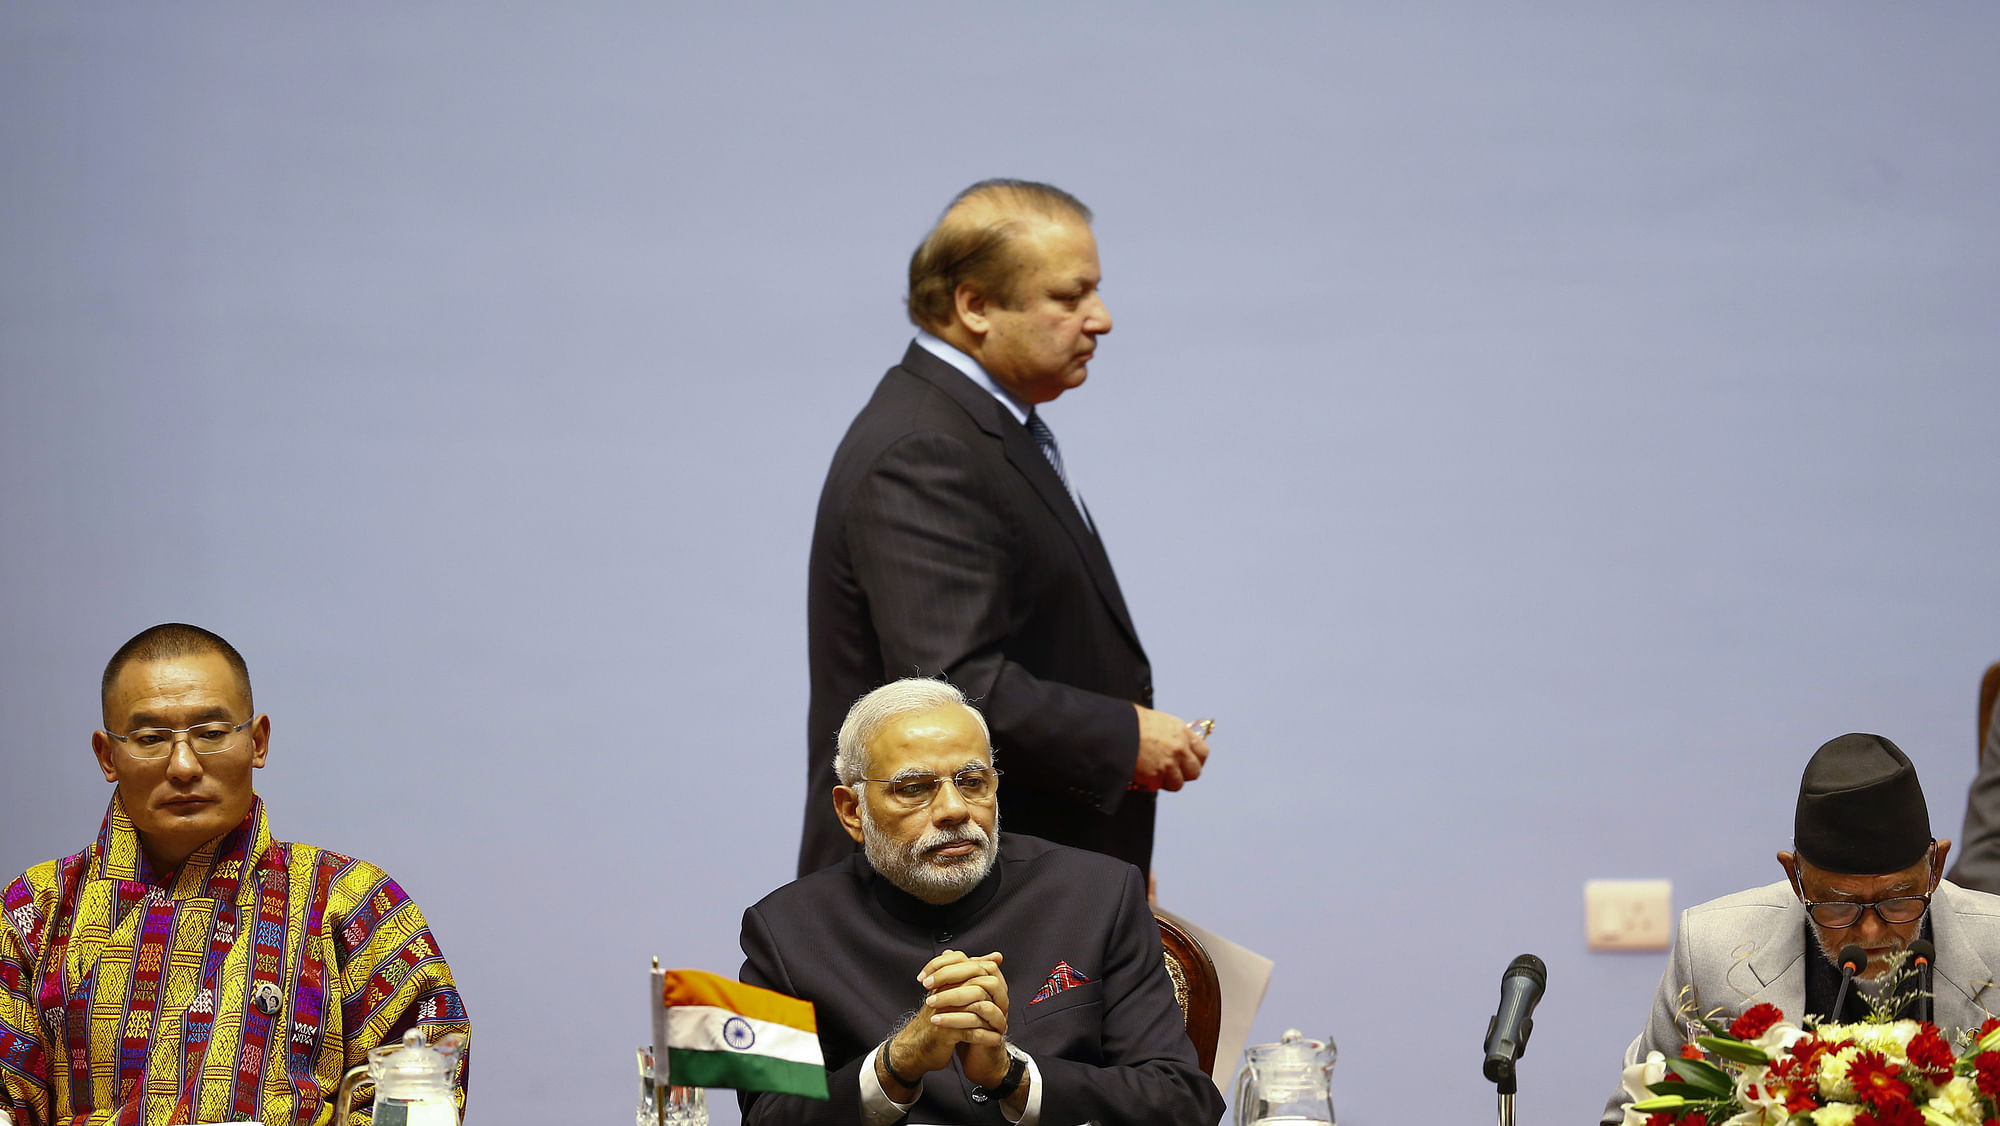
column 1286, row 1082
column 412, row 1082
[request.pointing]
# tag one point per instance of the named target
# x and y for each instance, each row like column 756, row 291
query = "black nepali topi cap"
column 1861, row 811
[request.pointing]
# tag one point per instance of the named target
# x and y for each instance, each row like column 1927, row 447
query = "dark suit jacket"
column 1111, row 1050
column 945, row 544
column 1978, row 863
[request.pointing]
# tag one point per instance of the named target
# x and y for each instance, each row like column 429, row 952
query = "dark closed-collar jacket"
column 1089, row 995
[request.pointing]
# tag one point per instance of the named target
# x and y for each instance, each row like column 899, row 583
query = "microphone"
column 1507, row 1033
column 1921, row 953
column 1853, row 960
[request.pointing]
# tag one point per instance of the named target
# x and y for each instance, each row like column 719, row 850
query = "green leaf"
column 1703, row 1074
column 1730, row 1048
column 1681, row 1090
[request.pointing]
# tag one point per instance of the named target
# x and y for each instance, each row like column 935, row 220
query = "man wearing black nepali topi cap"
column 1862, row 835
column 1863, row 871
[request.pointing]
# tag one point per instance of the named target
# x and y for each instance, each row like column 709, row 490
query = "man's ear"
column 100, row 745
column 1937, row 862
column 260, row 741
column 970, row 306
column 1789, row 861
column 847, row 806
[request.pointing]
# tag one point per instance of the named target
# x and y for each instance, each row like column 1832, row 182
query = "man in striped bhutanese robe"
column 173, row 973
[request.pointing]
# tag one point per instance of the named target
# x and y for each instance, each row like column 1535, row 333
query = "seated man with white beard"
column 1863, row 871
column 1068, row 1014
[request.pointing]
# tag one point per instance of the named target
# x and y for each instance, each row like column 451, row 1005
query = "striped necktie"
column 1046, row 439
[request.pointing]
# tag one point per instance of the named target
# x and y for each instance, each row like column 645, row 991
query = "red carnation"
column 1877, row 1081
column 1756, row 1022
column 1931, row 1056
column 1986, row 1073
column 1690, row 1052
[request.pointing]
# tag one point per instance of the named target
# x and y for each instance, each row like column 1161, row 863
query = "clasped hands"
column 964, row 1014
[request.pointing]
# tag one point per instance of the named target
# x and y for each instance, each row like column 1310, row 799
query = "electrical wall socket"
column 1628, row 914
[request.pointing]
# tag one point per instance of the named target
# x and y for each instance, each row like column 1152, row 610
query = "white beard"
column 931, row 878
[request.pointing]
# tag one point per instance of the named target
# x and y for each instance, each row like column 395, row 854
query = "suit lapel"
column 1026, row 458
column 1776, row 960
column 1781, row 969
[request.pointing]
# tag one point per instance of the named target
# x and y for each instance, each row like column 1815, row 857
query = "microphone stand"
column 1853, row 960
column 1507, row 1098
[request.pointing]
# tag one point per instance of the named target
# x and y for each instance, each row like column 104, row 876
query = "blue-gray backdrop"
column 1531, row 428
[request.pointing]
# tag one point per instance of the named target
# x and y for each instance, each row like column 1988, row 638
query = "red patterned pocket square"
column 1062, row 977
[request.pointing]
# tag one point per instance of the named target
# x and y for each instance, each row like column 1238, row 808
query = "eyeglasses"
column 978, row 785
column 1840, row 914
column 150, row 743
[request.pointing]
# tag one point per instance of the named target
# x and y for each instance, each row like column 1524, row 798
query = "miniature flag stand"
column 709, row 1031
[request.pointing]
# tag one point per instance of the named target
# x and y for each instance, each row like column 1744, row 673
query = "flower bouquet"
column 1762, row 1070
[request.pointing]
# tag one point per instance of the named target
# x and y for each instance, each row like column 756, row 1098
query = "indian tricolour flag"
column 722, row 1033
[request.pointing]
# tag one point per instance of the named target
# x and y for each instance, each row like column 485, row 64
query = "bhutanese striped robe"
column 240, row 987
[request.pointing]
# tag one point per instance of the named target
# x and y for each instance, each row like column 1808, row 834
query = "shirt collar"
column 964, row 363
column 908, row 908
column 213, row 871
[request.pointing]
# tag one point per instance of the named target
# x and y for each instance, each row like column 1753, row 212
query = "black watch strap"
column 912, row 1084
column 1017, row 1070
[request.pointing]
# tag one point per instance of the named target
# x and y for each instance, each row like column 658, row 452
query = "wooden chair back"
column 1989, row 690
column 1195, row 986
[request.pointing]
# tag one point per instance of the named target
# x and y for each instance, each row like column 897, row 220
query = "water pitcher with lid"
column 413, row 1082
column 1286, row 1082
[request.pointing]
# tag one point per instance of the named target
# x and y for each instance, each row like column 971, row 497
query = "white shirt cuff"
column 1031, row 1114
column 877, row 1108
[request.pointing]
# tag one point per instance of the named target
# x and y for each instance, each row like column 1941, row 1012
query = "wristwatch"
column 1017, row 1070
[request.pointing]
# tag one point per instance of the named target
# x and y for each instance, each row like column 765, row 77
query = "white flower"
column 1779, row 1038
column 1892, row 1040
column 1754, row 1094
column 1652, row 1069
column 1956, row 1102
column 1833, row 1082
column 1836, row 1114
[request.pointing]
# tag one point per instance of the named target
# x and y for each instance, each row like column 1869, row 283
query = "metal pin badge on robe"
column 266, row 998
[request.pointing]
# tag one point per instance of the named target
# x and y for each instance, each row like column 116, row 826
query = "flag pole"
column 660, row 1069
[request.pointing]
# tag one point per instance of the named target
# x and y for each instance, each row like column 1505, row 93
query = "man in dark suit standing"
column 950, row 541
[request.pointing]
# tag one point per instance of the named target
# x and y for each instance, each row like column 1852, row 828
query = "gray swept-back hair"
column 981, row 245
column 872, row 712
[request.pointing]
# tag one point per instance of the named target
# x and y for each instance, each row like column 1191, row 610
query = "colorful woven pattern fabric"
column 1061, row 979
column 240, row 987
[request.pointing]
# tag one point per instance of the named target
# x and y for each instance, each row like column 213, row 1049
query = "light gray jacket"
column 1750, row 947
